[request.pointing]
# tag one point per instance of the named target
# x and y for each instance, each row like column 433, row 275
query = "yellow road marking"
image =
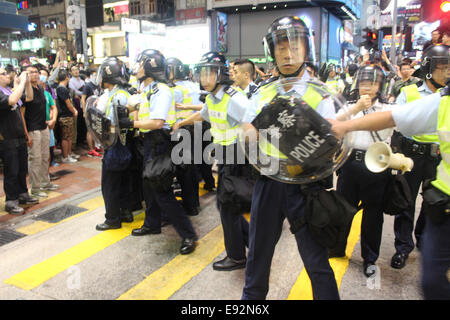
column 302, row 289
column 164, row 282
column 50, row 195
column 36, row 275
column 39, row 226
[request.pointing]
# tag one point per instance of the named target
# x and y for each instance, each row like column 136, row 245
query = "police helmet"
column 371, row 74
column 154, row 65
column 434, row 56
column 293, row 30
column 112, row 71
column 176, row 69
column 213, row 63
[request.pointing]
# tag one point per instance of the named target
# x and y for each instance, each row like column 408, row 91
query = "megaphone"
column 379, row 157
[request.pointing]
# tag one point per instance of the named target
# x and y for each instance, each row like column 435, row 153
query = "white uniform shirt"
column 362, row 140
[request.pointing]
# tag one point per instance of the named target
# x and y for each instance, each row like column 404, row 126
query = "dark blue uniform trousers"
column 164, row 203
column 187, row 178
column 356, row 183
column 272, row 202
column 424, row 169
column 116, row 193
column 435, row 250
column 235, row 227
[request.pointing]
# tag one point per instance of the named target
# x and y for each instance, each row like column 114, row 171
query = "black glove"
column 124, row 121
column 324, row 71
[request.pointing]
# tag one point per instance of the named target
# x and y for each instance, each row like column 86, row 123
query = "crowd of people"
column 159, row 96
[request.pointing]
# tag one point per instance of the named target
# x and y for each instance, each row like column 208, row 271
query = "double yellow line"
column 164, row 282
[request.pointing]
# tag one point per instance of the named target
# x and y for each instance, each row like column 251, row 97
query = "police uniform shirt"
column 362, row 140
column 325, row 108
column 419, row 116
column 424, row 90
column 236, row 109
column 160, row 103
column 119, row 98
column 194, row 90
column 251, row 86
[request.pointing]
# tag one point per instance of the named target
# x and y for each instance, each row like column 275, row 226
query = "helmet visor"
column 369, row 79
column 207, row 75
column 439, row 67
column 288, row 48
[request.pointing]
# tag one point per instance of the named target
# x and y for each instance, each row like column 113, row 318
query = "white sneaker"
column 69, row 160
column 50, row 187
column 39, row 193
column 74, row 156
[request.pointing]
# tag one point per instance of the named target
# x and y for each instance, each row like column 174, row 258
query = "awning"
column 13, row 22
column 349, row 46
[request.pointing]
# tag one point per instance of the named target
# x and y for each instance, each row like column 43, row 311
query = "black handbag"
column 327, row 216
column 397, row 197
column 117, row 158
column 236, row 190
column 159, row 172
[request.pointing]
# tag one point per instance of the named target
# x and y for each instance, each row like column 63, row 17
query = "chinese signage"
column 130, row 25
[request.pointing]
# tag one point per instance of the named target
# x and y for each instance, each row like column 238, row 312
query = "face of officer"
column 231, row 71
column 441, row 73
column 140, row 74
column 370, row 88
column 241, row 76
column 289, row 54
column 208, row 78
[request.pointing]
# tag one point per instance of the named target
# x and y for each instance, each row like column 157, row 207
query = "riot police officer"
column 224, row 109
column 355, row 182
column 288, row 46
column 428, row 114
column 112, row 78
column 156, row 115
column 186, row 174
column 423, row 149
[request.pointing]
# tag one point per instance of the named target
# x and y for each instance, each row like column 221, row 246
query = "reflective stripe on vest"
column 412, row 93
column 311, row 97
column 181, row 113
column 221, row 130
column 442, row 181
column 332, row 85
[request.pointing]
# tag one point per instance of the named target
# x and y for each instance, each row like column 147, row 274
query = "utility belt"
column 436, row 203
column 411, row 147
column 357, row 155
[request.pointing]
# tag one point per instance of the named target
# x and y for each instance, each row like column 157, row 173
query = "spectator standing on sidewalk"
column 13, row 145
column 52, row 113
column 90, row 88
column 77, row 85
column 66, row 114
column 39, row 138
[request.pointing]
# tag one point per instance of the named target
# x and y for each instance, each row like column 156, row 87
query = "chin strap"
column 294, row 74
column 435, row 84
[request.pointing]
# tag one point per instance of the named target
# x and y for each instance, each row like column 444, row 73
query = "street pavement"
column 58, row 255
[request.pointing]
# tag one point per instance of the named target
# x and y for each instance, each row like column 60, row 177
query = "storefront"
column 238, row 31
